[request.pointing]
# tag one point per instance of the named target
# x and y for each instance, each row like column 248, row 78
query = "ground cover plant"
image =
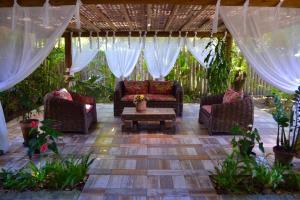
column 55, row 174
column 246, row 173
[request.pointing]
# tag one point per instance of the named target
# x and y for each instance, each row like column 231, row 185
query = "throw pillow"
column 161, row 87
column 63, row 94
column 231, row 96
column 136, row 87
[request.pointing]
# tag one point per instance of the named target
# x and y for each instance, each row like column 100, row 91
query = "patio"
column 148, row 165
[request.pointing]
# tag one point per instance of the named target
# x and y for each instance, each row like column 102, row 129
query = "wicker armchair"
column 222, row 117
column 72, row 115
column 119, row 104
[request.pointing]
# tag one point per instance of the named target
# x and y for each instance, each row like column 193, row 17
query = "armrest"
column 83, row 99
column 235, row 110
column 178, row 91
column 118, row 93
column 210, row 100
column 59, row 108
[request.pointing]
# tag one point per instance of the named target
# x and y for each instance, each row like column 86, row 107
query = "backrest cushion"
column 63, row 94
column 161, row 87
column 231, row 96
column 136, row 87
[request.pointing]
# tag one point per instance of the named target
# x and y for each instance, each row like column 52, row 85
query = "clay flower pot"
column 141, row 106
column 283, row 156
column 26, row 126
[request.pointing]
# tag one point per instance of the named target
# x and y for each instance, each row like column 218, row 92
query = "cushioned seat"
column 160, row 97
column 207, row 108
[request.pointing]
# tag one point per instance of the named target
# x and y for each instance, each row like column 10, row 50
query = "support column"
column 68, row 57
column 229, row 42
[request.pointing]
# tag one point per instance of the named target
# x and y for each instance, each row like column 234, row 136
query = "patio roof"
column 162, row 16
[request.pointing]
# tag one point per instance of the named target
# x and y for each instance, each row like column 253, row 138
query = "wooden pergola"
column 178, row 17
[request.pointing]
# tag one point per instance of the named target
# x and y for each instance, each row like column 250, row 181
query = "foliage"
column 56, row 174
column 139, row 98
column 247, row 139
column 92, row 87
column 28, row 95
column 219, row 66
column 287, row 142
column 43, row 138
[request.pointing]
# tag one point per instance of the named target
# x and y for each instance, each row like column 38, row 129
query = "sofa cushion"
column 161, row 87
column 63, row 94
column 136, row 87
column 160, row 97
column 128, row 97
column 207, row 108
column 231, row 96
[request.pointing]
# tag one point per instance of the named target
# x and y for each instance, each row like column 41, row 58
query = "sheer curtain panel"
column 197, row 46
column 84, row 52
column 161, row 54
column 28, row 34
column 269, row 40
column 122, row 54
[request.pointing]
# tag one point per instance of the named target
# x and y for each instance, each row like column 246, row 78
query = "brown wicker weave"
column 177, row 105
column 72, row 114
column 224, row 116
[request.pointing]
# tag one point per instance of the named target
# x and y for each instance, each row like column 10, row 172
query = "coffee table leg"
column 135, row 125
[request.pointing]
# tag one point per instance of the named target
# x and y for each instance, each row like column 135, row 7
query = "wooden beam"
column 68, row 51
column 149, row 15
column 193, row 17
column 259, row 3
column 149, row 34
column 171, row 17
column 126, row 15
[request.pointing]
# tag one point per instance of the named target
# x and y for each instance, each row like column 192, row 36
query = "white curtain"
column 28, row 34
column 84, row 50
column 122, row 54
column 197, row 46
column 269, row 38
column 161, row 54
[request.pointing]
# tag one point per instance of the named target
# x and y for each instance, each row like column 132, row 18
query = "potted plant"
column 26, row 124
column 42, row 138
column 285, row 148
column 140, row 102
column 247, row 140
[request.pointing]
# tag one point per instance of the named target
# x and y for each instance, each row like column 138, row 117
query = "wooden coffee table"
column 166, row 117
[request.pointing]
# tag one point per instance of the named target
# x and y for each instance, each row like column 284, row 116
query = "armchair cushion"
column 161, row 87
column 136, row 87
column 63, row 94
column 88, row 107
column 232, row 96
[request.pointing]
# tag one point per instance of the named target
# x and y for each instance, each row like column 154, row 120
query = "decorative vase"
column 26, row 126
column 282, row 156
column 141, row 106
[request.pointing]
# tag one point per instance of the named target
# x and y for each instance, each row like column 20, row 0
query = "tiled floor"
column 149, row 165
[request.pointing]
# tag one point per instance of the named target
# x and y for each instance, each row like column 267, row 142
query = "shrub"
column 56, row 174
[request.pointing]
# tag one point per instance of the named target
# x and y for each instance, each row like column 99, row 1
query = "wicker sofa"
column 73, row 116
column 173, row 99
column 220, row 117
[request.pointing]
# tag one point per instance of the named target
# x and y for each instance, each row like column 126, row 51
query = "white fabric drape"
column 82, row 55
column 271, row 43
column 24, row 43
column 161, row 54
column 122, row 55
column 197, row 46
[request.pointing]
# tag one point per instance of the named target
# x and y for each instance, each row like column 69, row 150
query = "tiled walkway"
column 148, row 165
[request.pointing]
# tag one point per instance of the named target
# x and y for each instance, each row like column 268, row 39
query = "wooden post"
column 229, row 42
column 68, row 57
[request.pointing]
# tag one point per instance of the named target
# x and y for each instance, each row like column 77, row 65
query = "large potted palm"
column 286, row 141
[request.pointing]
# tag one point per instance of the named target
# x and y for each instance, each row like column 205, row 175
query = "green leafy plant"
column 42, row 138
column 219, row 66
column 92, row 87
column 228, row 175
column 246, row 142
column 56, row 174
